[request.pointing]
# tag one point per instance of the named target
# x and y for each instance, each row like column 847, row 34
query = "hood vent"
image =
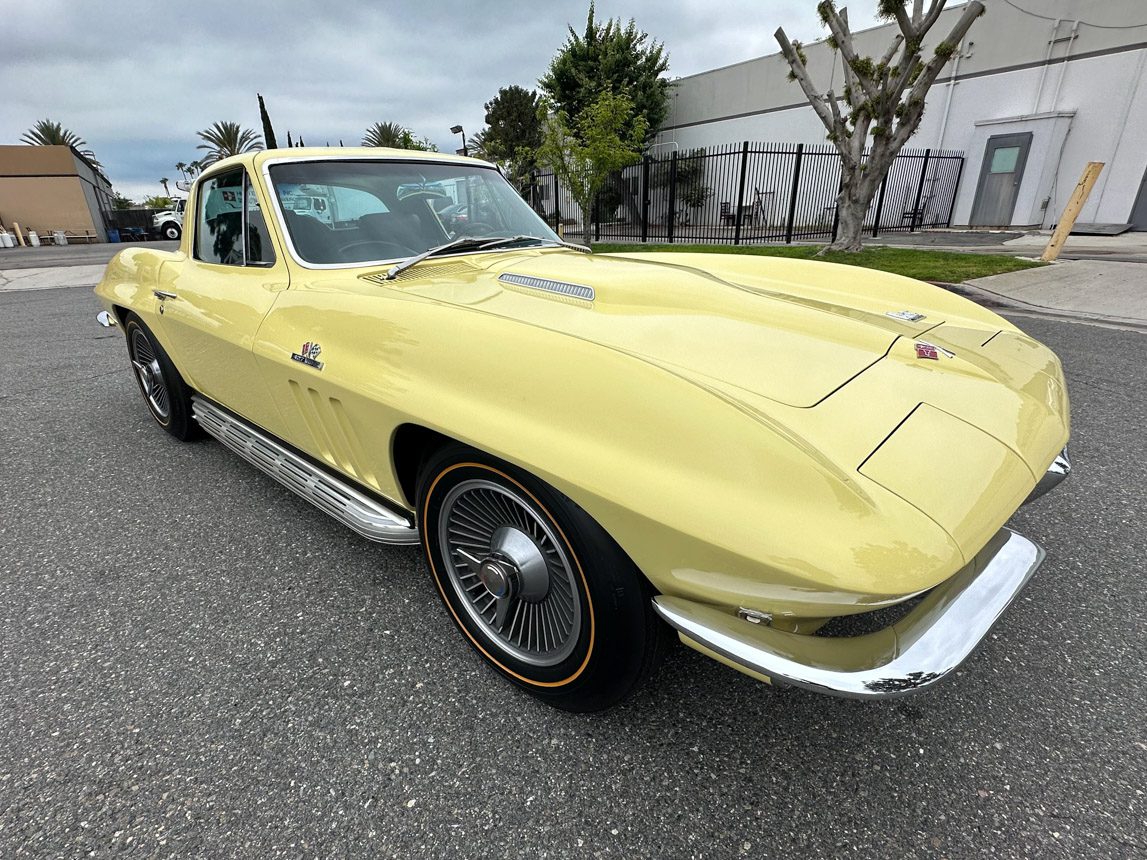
column 576, row 291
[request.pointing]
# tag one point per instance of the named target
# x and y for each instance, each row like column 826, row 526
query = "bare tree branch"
column 904, row 22
column 886, row 60
column 844, row 42
column 933, row 15
column 932, row 68
column 801, row 74
column 917, row 10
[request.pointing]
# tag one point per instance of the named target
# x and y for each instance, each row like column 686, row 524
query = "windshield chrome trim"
column 281, row 220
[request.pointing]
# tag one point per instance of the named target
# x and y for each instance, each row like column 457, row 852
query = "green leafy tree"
column 882, row 98
column 268, row 131
column 158, row 201
column 224, row 139
column 610, row 57
column 513, row 132
column 119, row 202
column 584, row 152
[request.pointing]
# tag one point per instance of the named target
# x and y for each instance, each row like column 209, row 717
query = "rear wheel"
column 167, row 396
column 539, row 589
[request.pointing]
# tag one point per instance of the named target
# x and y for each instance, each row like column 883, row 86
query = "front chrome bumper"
column 923, row 647
column 1059, row 469
column 928, row 644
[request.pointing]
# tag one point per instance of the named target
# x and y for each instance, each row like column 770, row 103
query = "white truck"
column 168, row 224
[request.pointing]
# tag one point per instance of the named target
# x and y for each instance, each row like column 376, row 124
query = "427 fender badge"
column 309, row 355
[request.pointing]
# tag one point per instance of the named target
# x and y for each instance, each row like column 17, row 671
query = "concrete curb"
column 1004, row 303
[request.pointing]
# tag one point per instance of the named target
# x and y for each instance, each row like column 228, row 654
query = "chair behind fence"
column 751, row 193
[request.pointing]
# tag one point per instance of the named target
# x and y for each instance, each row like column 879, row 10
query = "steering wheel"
column 386, row 250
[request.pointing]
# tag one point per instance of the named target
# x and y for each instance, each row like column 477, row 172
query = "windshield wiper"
column 476, row 243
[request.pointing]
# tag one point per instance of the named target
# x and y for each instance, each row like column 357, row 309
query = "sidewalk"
column 50, row 277
column 1088, row 289
column 1128, row 247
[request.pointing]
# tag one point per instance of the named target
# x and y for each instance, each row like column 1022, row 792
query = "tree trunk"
column 851, row 206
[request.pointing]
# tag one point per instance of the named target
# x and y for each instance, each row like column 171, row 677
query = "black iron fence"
column 751, row 192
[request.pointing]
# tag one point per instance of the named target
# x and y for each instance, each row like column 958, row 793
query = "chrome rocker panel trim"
column 922, row 648
column 337, row 498
column 1055, row 475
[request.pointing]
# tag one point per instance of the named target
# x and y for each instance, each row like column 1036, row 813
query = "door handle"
column 163, row 294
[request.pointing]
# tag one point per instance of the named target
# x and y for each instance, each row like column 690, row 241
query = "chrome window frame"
column 248, row 182
column 269, row 186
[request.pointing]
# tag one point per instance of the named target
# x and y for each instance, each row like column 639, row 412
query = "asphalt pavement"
column 195, row 663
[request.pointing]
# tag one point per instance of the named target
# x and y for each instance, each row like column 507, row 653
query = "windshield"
column 345, row 212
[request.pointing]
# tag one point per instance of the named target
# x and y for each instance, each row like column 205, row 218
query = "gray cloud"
column 138, row 78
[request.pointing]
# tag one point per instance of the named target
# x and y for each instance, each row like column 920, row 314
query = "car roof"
column 256, row 160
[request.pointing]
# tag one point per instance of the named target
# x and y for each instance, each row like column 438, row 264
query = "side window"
column 219, row 220
column 225, row 205
column 260, row 251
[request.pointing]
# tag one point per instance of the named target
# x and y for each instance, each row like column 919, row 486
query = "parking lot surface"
column 195, row 663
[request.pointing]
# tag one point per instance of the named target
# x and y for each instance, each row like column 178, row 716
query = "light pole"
column 457, row 129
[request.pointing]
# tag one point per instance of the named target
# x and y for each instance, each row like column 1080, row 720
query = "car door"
column 213, row 302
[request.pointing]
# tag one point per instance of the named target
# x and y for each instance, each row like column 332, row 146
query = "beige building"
column 49, row 188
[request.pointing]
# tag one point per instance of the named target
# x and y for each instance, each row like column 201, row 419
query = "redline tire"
column 612, row 639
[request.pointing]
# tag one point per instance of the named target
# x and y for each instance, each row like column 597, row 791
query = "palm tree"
column 476, row 146
column 166, row 190
column 224, row 139
column 48, row 133
column 388, row 134
column 182, row 168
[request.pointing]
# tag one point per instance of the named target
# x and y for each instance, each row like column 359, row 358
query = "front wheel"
column 167, row 396
column 171, row 231
column 539, row 589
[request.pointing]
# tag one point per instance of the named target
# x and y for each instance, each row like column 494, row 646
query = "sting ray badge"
column 309, row 355
column 907, row 316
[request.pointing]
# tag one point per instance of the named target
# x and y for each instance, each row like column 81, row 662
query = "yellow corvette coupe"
column 804, row 469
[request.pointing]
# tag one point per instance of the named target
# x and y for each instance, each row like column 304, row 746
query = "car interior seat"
column 313, row 239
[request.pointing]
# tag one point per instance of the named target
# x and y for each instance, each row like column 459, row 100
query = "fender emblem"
column 309, row 355
column 930, row 350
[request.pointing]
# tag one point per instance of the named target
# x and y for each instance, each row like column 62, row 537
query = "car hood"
column 790, row 333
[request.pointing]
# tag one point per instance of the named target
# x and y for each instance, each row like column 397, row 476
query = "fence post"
column 955, row 191
column 793, row 195
column 880, row 204
column 919, row 191
column 557, row 206
column 672, row 194
column 597, row 217
column 741, row 192
column 645, row 199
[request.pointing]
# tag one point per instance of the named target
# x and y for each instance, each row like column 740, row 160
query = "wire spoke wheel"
column 149, row 373
column 510, row 571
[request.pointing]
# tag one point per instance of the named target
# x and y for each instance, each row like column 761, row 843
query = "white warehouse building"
column 1038, row 89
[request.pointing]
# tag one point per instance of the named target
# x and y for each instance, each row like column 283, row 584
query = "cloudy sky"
column 137, row 78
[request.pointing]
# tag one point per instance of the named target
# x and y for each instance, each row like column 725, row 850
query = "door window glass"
column 219, row 225
column 1004, row 159
column 259, row 248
